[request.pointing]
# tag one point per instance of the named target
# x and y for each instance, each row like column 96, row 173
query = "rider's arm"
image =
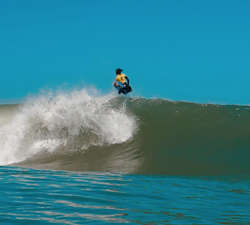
column 116, row 81
column 127, row 80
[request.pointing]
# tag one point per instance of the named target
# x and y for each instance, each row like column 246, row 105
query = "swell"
column 173, row 138
column 194, row 139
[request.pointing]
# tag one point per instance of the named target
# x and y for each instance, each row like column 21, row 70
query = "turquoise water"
column 31, row 196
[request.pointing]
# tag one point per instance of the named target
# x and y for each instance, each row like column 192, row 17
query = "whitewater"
column 65, row 122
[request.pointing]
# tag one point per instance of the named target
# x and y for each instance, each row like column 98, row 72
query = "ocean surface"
column 77, row 157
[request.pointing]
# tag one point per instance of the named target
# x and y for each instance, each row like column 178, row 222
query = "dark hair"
column 118, row 70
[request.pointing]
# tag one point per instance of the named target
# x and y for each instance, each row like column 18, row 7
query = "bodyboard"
column 122, row 88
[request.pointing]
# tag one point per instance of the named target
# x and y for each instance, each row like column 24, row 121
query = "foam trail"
column 71, row 121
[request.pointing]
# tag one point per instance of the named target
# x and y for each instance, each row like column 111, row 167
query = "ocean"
column 77, row 157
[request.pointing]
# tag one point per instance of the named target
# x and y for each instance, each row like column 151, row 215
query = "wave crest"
column 70, row 121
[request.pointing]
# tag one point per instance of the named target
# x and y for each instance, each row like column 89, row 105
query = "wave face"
column 80, row 131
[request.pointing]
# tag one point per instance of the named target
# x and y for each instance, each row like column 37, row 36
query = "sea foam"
column 64, row 121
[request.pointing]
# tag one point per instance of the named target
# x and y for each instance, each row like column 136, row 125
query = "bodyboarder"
column 122, row 82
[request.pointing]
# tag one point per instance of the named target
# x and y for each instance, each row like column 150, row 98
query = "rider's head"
column 118, row 71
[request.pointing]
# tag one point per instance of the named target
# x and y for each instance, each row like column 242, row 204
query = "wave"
column 81, row 131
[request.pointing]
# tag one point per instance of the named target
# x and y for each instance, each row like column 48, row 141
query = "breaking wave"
column 64, row 123
column 84, row 131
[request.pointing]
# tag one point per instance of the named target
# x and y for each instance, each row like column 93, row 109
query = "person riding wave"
column 120, row 81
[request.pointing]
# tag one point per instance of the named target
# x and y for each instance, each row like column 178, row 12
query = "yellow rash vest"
column 121, row 78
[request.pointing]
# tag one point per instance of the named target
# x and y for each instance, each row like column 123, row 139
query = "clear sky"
column 188, row 50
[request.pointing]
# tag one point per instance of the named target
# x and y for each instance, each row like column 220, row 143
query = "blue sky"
column 188, row 50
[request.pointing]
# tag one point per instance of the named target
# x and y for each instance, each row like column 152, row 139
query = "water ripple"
column 38, row 196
